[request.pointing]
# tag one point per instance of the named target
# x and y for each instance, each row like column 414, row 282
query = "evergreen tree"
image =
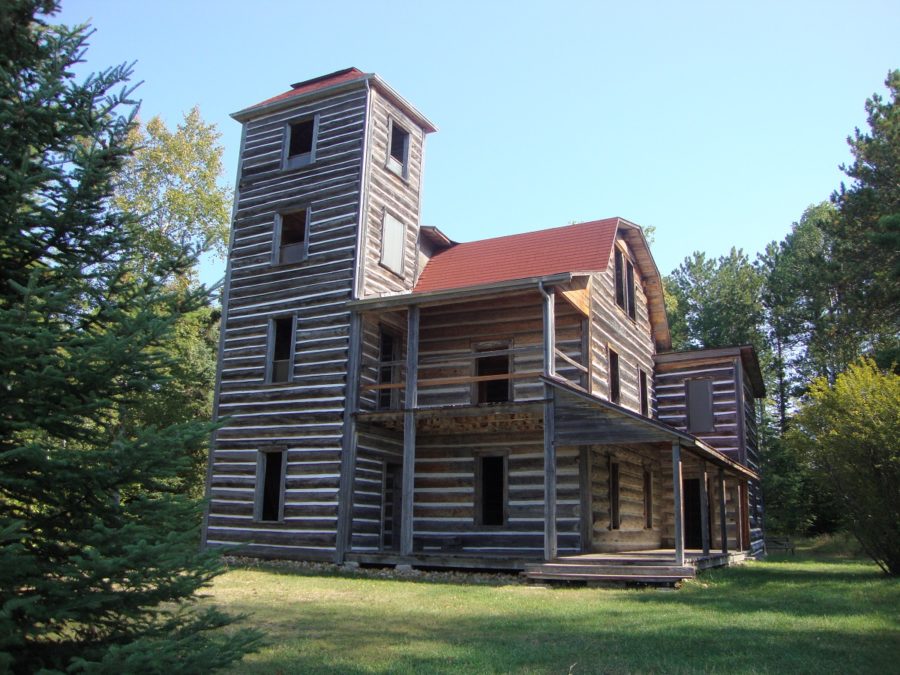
column 99, row 562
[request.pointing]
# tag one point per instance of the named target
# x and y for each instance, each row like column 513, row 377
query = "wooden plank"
column 704, row 510
column 550, row 540
column 409, row 432
column 677, row 502
column 723, row 523
column 348, row 441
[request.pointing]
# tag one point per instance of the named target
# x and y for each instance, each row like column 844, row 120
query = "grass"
column 810, row 613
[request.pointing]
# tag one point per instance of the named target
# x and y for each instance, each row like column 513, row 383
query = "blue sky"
column 718, row 123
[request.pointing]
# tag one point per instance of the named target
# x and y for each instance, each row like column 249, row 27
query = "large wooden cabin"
column 392, row 396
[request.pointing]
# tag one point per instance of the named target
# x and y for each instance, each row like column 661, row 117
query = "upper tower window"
column 291, row 237
column 300, row 148
column 398, row 149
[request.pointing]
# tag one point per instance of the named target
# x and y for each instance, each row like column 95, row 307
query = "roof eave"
column 290, row 101
column 456, row 294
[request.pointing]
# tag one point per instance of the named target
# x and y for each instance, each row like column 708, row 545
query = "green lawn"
column 787, row 615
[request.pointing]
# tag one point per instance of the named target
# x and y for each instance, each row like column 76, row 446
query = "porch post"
column 679, row 507
column 550, row 543
column 409, row 431
column 739, row 518
column 704, row 509
column 723, row 524
column 348, row 441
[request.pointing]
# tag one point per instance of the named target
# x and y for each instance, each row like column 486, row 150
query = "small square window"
column 291, row 237
column 392, row 244
column 300, row 148
column 398, row 149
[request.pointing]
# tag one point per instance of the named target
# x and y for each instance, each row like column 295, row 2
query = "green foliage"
column 715, row 303
column 99, row 567
column 850, row 433
column 866, row 250
column 171, row 181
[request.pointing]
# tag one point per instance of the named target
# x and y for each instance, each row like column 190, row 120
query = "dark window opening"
column 493, row 391
column 614, row 515
column 399, row 143
column 388, row 370
column 492, row 490
column 648, row 499
column 614, row 392
column 620, row 279
column 283, row 332
column 271, row 489
column 292, row 239
column 700, row 415
column 629, row 287
column 300, row 144
column 645, row 398
column 392, row 506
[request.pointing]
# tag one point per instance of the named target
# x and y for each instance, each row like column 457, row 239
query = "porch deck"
column 654, row 566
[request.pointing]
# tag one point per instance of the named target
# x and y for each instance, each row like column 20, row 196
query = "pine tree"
column 99, row 561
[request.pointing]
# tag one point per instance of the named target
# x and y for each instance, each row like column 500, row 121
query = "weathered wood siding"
column 672, row 400
column 445, row 494
column 303, row 416
column 375, row 448
column 386, row 190
column 630, row 338
column 631, row 535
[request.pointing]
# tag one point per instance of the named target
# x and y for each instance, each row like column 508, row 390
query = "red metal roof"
column 307, row 86
column 585, row 247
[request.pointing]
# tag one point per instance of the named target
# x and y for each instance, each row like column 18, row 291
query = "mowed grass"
column 802, row 614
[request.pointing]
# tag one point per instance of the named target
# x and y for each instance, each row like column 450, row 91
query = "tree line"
column 822, row 307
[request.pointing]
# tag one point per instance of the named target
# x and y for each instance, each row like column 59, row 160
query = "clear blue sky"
column 718, row 123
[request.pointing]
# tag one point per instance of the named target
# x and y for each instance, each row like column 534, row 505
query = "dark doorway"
column 391, row 507
column 693, row 531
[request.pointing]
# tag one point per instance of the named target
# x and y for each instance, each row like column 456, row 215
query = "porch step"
column 563, row 570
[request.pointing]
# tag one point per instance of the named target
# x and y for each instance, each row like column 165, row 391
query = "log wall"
column 630, row 338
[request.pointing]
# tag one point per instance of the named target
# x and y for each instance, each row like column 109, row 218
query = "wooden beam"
column 550, row 544
column 723, row 524
column 678, row 511
column 578, row 294
column 409, row 432
column 740, row 544
column 348, row 441
column 704, row 509
column 549, row 315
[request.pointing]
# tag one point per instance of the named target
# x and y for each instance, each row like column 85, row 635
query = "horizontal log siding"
column 670, row 394
column 303, row 416
column 631, row 535
column 374, row 449
column 387, row 190
column 515, row 319
column 445, row 494
column 631, row 339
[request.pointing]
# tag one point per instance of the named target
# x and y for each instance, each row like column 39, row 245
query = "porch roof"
column 581, row 418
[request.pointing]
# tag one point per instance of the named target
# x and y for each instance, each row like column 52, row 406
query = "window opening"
column 271, row 465
column 493, row 391
column 283, row 333
column 645, row 398
column 492, row 490
column 629, row 287
column 614, row 516
column 398, row 152
column 301, row 139
column 614, row 391
column 620, row 279
column 292, row 237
